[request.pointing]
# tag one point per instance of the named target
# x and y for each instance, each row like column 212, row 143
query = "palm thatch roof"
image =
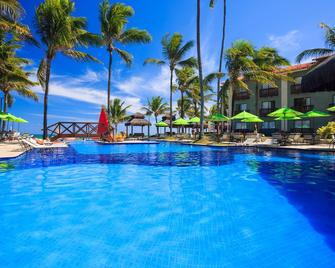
column 138, row 119
column 321, row 77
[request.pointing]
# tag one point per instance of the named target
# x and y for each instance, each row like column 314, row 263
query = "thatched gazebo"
column 137, row 120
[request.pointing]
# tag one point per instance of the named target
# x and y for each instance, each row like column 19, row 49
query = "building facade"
column 285, row 94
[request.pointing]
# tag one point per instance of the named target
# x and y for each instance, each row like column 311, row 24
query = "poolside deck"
column 10, row 149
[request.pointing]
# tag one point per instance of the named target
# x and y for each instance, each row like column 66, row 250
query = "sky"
column 77, row 90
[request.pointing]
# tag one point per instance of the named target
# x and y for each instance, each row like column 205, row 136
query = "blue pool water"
column 167, row 205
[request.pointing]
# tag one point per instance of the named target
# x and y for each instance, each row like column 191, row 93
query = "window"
column 242, row 107
column 269, row 125
column 299, row 102
column 241, row 125
column 298, row 80
column 302, row 124
column 268, row 104
column 266, row 86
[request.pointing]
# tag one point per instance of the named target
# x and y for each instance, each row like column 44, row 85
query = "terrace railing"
column 73, row 130
column 269, row 92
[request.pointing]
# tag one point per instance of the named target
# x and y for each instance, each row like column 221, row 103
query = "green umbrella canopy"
column 180, row 122
column 314, row 113
column 331, row 109
column 243, row 115
column 285, row 112
column 288, row 118
column 21, row 120
column 253, row 120
column 3, row 115
column 219, row 118
column 162, row 124
column 195, row 120
column 11, row 118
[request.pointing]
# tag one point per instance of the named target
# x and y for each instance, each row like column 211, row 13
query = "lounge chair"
column 33, row 144
column 332, row 142
column 295, row 138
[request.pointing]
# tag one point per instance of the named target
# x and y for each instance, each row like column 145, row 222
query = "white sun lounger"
column 34, row 145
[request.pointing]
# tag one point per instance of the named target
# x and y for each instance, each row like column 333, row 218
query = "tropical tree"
column 156, row 106
column 202, row 99
column 60, row 32
column 174, row 52
column 329, row 50
column 241, row 68
column 118, row 112
column 10, row 13
column 185, row 77
column 113, row 21
column 269, row 61
column 12, row 76
column 220, row 107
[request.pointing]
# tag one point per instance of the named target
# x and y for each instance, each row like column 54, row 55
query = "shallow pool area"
column 167, row 205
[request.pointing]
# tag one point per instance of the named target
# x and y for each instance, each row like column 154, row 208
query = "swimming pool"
column 167, row 205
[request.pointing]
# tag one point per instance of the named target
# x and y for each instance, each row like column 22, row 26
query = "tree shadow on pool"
column 308, row 183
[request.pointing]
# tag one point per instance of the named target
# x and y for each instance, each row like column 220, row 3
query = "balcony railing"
column 241, row 96
column 303, row 108
column 269, row 92
column 266, row 111
column 296, row 89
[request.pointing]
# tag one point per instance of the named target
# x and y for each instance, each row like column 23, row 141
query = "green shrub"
column 326, row 131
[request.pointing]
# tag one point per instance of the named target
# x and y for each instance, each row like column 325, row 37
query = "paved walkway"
column 10, row 149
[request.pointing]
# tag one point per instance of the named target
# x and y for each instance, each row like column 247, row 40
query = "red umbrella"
column 103, row 122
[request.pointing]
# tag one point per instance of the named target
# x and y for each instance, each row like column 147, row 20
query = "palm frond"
column 211, row 3
column 190, row 62
column 79, row 55
column 125, row 56
column 154, row 61
column 134, row 35
column 315, row 52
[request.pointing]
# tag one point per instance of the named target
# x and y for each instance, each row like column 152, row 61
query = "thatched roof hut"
column 321, row 77
column 138, row 119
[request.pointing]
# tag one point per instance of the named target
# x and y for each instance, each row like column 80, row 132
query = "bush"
column 326, row 131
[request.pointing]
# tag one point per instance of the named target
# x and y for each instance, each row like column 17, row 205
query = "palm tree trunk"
column 46, row 95
column 221, row 109
column 156, row 120
column 256, row 97
column 182, row 104
column 109, row 81
column 5, row 104
column 202, row 102
column 171, row 89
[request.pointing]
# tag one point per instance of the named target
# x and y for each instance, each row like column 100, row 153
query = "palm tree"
column 12, row 76
column 220, row 96
column 118, row 113
column 10, row 13
column 241, row 68
column 156, row 106
column 202, row 99
column 329, row 50
column 185, row 77
column 113, row 21
column 60, row 33
column 269, row 61
column 174, row 53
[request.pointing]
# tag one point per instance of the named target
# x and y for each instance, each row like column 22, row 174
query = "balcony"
column 303, row 108
column 269, row 92
column 241, row 96
column 296, row 89
column 266, row 111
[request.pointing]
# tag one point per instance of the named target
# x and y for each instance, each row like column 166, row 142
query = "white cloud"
column 287, row 42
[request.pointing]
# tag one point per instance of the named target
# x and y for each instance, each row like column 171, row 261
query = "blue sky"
column 78, row 90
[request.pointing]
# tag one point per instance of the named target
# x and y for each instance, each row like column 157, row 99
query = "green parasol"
column 253, row 120
column 218, row 118
column 194, row 120
column 331, row 109
column 285, row 112
column 180, row 122
column 162, row 124
column 21, row 120
column 243, row 115
column 314, row 113
column 288, row 118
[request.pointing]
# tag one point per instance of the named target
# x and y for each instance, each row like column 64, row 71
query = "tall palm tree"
column 156, row 106
column 118, row 112
column 218, row 92
column 269, row 61
column 202, row 99
column 174, row 52
column 242, row 68
column 113, row 21
column 12, row 76
column 10, row 13
column 185, row 77
column 329, row 50
column 60, row 32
